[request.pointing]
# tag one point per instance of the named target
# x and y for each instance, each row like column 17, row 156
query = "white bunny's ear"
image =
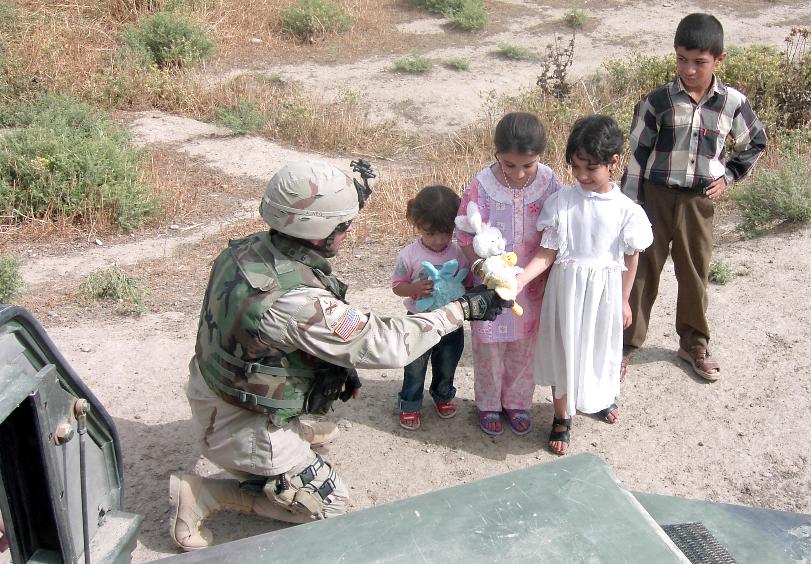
column 474, row 217
column 462, row 224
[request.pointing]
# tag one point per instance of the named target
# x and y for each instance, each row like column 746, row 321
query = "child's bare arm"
column 537, row 265
column 418, row 289
column 631, row 262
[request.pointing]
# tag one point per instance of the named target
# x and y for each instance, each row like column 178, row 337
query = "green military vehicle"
column 62, row 492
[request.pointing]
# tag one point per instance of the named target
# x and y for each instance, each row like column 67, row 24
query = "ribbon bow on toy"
column 496, row 268
column 447, row 285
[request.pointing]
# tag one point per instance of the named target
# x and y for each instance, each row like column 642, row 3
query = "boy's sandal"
column 604, row 413
column 490, row 422
column 699, row 358
column 446, row 409
column 560, row 436
column 519, row 421
column 410, row 421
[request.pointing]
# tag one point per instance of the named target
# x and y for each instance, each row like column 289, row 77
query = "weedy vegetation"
column 413, row 64
column 11, row 278
column 514, row 52
column 458, row 64
column 310, row 19
column 114, row 284
column 467, row 15
column 720, row 273
column 576, row 18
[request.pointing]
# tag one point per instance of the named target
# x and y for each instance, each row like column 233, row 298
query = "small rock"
column 548, row 398
column 347, row 425
column 741, row 434
column 174, row 226
column 358, row 256
column 137, row 417
column 98, row 242
column 594, row 443
column 85, row 348
column 255, row 40
column 700, row 443
column 52, row 314
column 428, row 450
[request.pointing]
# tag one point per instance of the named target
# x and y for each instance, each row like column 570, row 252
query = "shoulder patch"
column 340, row 318
column 333, row 309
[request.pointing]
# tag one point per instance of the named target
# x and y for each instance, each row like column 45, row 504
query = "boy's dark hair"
column 433, row 209
column 700, row 32
column 595, row 138
column 520, row 132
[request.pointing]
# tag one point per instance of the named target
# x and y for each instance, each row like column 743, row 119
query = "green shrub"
column 242, row 117
column 779, row 195
column 67, row 160
column 11, row 278
column 8, row 16
column 458, row 64
column 414, row 64
column 168, row 40
column 113, row 284
column 514, row 53
column 720, row 273
column 312, row 18
column 576, row 18
column 470, row 15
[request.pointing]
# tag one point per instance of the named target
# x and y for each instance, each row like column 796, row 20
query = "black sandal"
column 604, row 413
column 560, row 436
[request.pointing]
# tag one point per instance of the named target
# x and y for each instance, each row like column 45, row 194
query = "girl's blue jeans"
column 444, row 357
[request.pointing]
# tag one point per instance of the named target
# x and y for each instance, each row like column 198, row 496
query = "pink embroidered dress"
column 514, row 212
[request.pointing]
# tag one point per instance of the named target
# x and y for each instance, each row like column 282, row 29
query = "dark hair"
column 700, row 32
column 434, row 208
column 596, row 138
column 520, row 132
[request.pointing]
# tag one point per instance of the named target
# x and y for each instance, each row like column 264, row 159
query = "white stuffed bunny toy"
column 497, row 269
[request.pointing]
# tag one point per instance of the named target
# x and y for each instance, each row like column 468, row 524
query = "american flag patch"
column 349, row 324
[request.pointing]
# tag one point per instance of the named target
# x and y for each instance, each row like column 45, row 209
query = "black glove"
column 482, row 304
column 351, row 384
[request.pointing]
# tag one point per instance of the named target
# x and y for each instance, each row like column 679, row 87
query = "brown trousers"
column 682, row 227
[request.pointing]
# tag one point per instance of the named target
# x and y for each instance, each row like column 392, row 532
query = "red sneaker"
column 410, row 421
column 445, row 410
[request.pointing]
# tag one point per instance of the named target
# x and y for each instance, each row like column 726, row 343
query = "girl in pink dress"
column 510, row 193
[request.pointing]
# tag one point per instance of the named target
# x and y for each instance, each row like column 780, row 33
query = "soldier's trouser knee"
column 311, row 488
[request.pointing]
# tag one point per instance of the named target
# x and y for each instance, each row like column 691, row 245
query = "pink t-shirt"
column 409, row 265
column 514, row 212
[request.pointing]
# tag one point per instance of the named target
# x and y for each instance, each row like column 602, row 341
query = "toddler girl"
column 510, row 194
column 431, row 212
column 591, row 236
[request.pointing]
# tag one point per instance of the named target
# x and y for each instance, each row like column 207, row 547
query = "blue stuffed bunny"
column 447, row 285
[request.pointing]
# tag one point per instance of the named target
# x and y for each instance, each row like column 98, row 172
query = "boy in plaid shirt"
column 677, row 169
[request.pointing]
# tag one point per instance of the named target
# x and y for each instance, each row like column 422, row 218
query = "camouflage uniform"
column 254, row 317
column 276, row 339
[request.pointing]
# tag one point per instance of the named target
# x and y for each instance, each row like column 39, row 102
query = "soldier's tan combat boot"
column 318, row 433
column 195, row 498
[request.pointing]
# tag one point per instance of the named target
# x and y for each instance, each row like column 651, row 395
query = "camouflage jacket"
column 274, row 319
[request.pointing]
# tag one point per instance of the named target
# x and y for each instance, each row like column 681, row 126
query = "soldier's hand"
column 482, row 304
column 352, row 386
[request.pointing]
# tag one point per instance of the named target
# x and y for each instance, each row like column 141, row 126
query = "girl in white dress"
column 591, row 235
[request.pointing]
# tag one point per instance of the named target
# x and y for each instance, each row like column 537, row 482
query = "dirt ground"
column 744, row 439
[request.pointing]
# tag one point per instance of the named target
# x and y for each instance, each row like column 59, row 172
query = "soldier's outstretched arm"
column 319, row 324
column 316, row 322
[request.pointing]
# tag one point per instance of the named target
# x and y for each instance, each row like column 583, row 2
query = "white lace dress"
column 579, row 346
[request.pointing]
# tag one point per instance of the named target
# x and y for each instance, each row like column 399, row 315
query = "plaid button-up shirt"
column 680, row 143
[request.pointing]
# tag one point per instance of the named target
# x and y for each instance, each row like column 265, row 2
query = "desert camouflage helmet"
column 308, row 199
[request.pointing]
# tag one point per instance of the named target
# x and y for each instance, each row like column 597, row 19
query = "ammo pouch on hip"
column 326, row 388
